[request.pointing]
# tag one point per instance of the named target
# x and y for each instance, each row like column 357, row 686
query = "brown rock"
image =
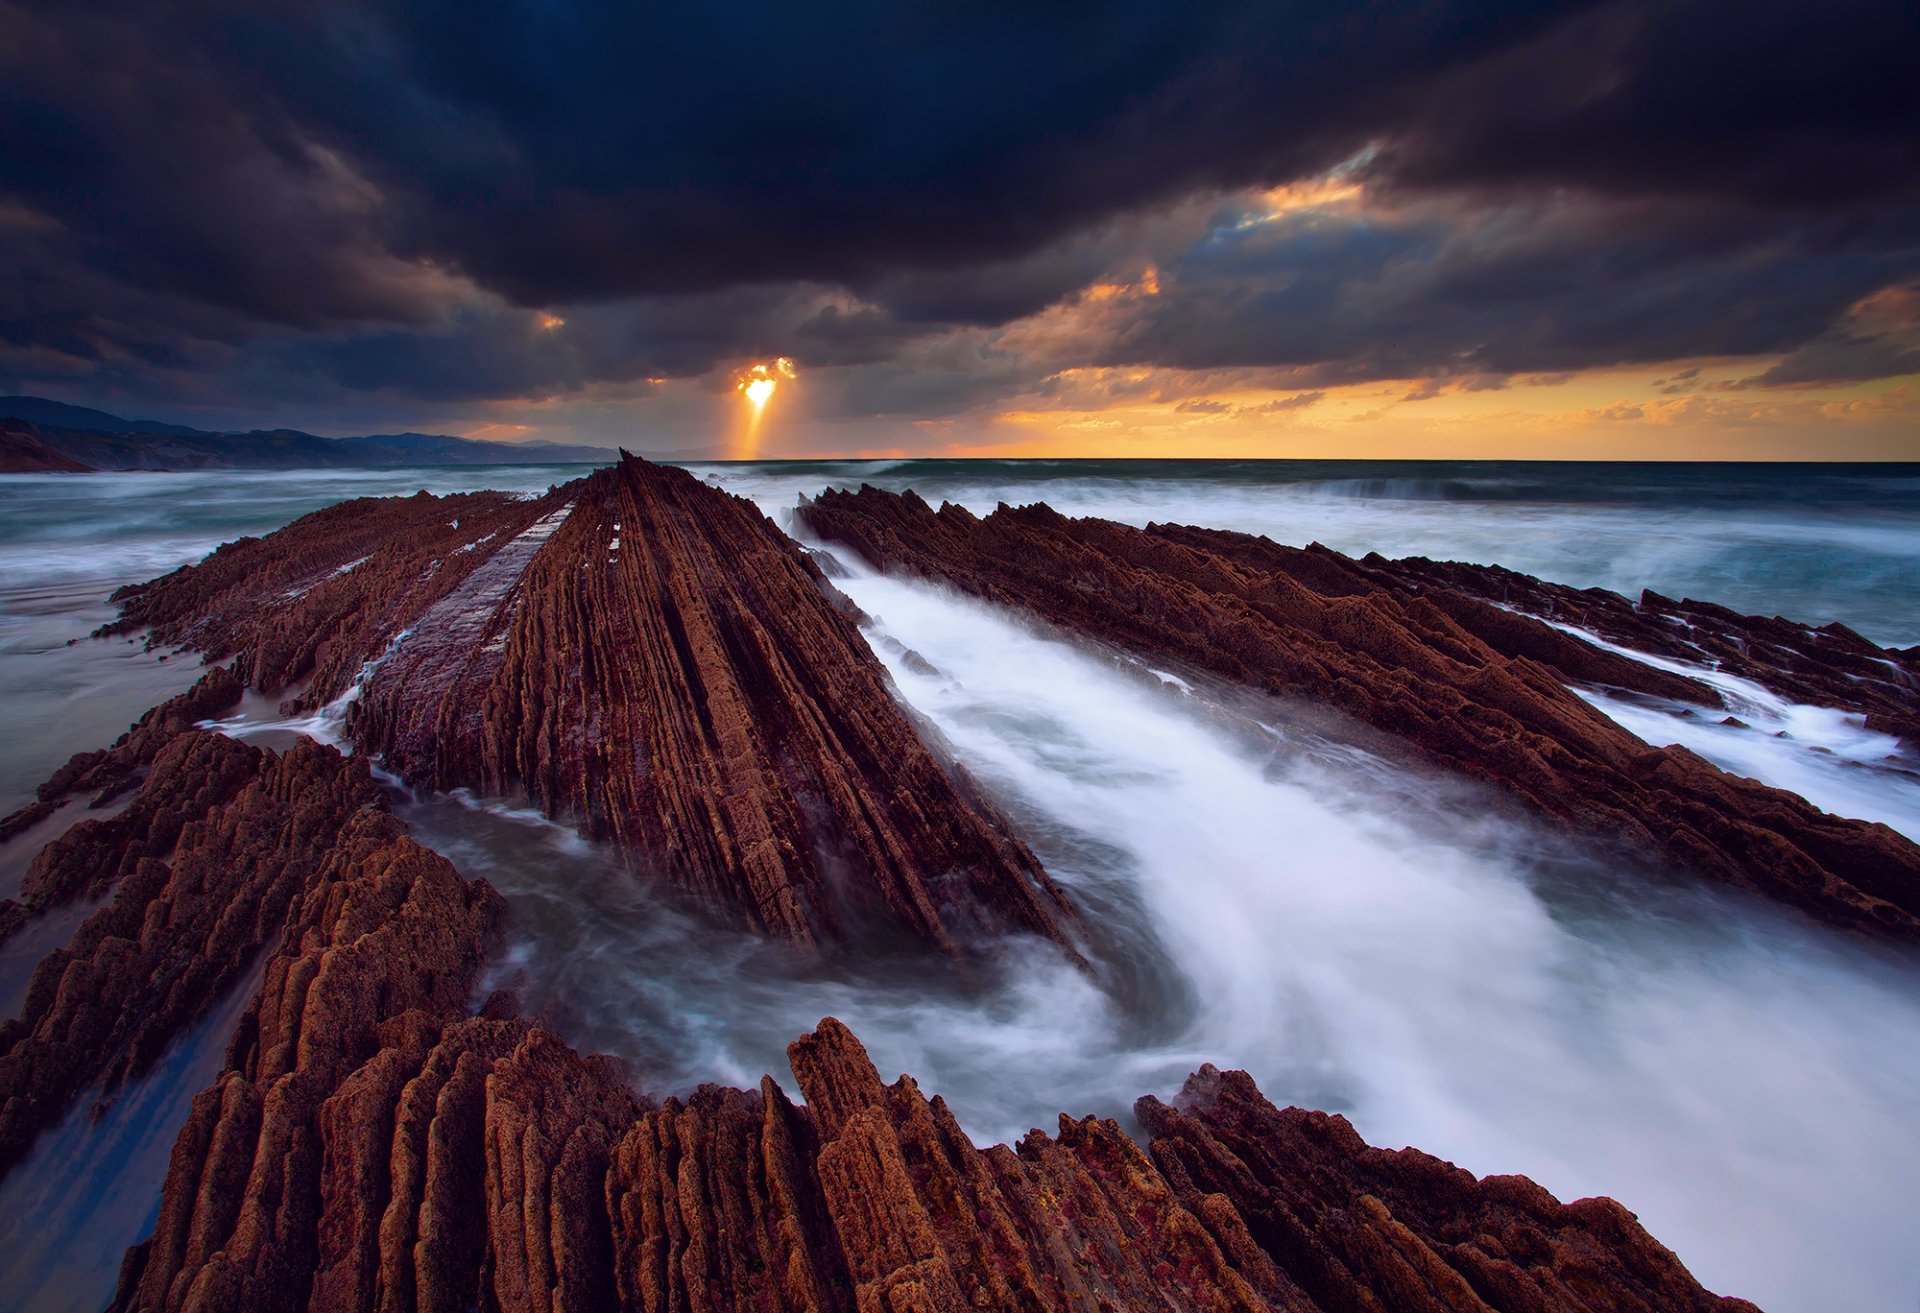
column 282, row 1179
column 698, row 694
column 203, row 866
column 1470, row 689
column 313, row 602
column 1359, row 1227
column 106, row 772
column 1828, row 666
column 521, row 1176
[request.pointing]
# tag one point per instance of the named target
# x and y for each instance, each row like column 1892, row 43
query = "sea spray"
column 1358, row 936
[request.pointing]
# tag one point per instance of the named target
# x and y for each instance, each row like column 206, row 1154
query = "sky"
column 1615, row 230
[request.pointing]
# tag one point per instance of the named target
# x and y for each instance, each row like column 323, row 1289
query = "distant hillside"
column 48, row 435
column 59, row 414
column 22, row 451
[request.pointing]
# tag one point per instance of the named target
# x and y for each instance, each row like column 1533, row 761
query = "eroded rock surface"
column 675, row 673
column 202, row 868
column 108, row 772
column 1828, row 666
column 279, row 1182
column 480, row 1163
column 1477, row 688
column 642, row 655
column 312, row 603
column 696, row 692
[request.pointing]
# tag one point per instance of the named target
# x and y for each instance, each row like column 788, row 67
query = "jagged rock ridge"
column 642, row 655
column 1828, row 666
column 1474, row 687
column 201, row 869
column 676, row 673
column 480, row 1163
column 373, row 1145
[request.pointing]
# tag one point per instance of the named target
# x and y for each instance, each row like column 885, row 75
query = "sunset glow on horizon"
column 1477, row 264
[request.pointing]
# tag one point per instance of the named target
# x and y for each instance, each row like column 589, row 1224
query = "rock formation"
column 340, row 1077
column 676, row 674
column 480, row 1163
column 1473, row 687
column 1828, row 666
column 696, row 692
column 311, row 604
column 645, row 656
column 201, row 868
column 108, row 772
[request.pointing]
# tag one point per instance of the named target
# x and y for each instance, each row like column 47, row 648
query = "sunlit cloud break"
column 757, row 383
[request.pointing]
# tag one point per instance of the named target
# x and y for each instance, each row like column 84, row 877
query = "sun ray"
column 757, row 383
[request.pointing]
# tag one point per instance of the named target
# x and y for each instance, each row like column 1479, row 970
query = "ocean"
column 1361, row 936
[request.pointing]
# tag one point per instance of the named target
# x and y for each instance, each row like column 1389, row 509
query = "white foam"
column 1358, row 938
column 1827, row 756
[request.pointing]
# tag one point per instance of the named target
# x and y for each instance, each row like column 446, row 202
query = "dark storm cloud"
column 1477, row 294
column 1776, row 103
column 368, row 196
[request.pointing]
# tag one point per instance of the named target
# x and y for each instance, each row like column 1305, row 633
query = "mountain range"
column 41, row 435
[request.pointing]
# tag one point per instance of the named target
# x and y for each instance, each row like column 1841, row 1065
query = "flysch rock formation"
column 199, row 873
column 372, row 1147
column 644, row 656
column 375, row 1143
column 1827, row 666
column 1471, row 685
column 106, row 773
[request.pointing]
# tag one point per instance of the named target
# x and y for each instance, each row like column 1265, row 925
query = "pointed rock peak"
column 836, row 1076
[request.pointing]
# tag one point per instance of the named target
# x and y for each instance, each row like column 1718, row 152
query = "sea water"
column 1274, row 894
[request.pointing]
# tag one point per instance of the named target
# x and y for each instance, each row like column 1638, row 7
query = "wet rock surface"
column 202, row 868
column 675, row 674
column 644, row 656
column 699, row 695
column 312, row 603
column 480, row 1163
column 1827, row 666
column 278, row 1190
column 108, row 772
column 1472, row 686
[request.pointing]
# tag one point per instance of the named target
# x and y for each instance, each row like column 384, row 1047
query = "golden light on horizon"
column 757, row 383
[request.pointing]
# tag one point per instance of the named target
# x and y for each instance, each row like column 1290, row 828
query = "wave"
column 1361, row 938
column 1827, row 756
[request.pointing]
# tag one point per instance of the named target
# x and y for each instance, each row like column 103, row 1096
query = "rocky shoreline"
column 653, row 661
column 1476, row 687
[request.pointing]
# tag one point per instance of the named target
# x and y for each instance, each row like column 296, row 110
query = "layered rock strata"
column 373, row 1144
column 644, row 656
column 1827, row 666
column 1472, row 686
column 354, row 1087
column 313, row 603
column 480, row 1163
column 108, row 772
column 201, row 870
